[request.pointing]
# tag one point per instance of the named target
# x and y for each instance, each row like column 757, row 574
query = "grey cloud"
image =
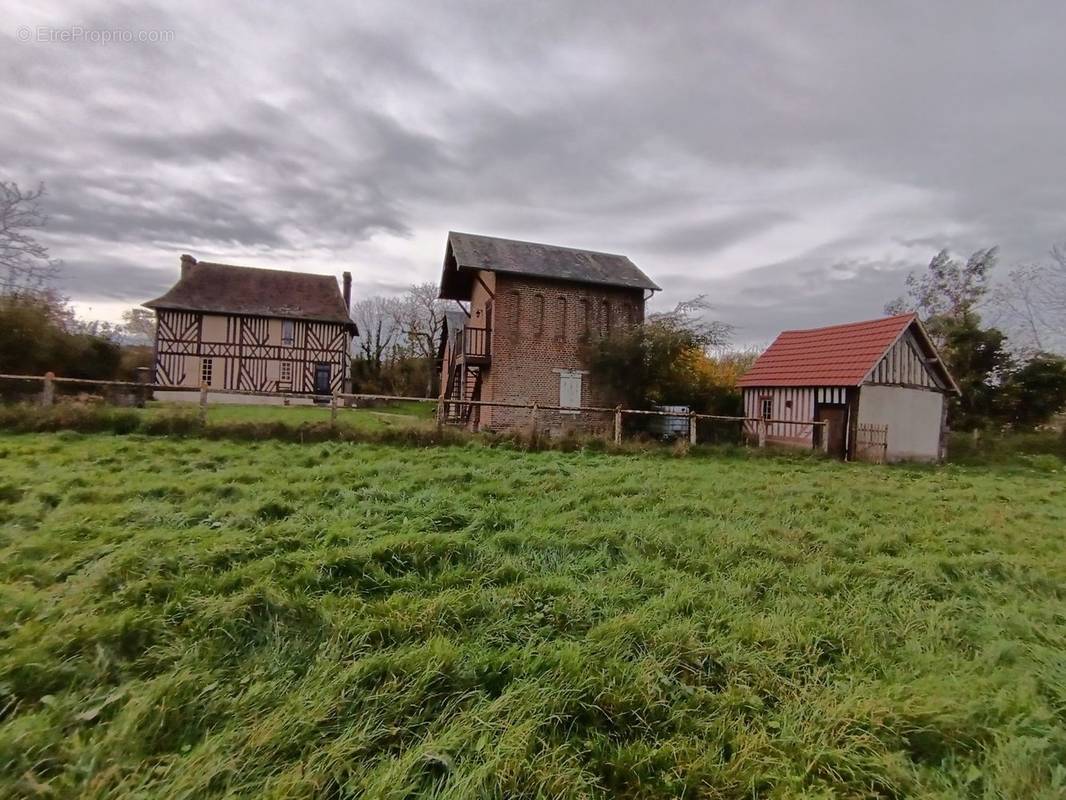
column 705, row 237
column 89, row 279
column 792, row 162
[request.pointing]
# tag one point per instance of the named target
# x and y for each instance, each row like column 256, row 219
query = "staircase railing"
column 474, row 342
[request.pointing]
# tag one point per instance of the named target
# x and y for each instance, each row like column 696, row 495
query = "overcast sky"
column 791, row 160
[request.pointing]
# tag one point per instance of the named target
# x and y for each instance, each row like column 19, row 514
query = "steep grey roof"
column 468, row 251
column 228, row 289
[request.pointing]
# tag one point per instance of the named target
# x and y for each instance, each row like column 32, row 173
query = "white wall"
column 913, row 418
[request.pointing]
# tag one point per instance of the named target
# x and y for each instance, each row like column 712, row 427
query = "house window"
column 287, row 332
column 562, row 319
column 286, row 372
column 538, row 313
column 766, row 407
column 569, row 389
column 207, row 368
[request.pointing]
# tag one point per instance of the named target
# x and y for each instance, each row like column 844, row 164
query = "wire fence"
column 615, row 421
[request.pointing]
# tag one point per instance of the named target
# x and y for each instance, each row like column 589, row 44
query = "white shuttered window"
column 570, row 388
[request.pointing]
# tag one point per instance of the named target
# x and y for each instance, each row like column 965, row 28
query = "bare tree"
column 1032, row 303
column 948, row 292
column 690, row 316
column 138, row 325
column 25, row 267
column 420, row 321
column 378, row 331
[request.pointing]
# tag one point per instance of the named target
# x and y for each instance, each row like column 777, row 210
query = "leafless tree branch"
column 25, row 266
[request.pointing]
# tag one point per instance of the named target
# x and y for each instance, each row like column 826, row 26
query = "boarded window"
column 288, row 332
column 207, row 370
column 562, row 319
column 583, row 317
column 516, row 310
column 570, row 389
column 766, row 407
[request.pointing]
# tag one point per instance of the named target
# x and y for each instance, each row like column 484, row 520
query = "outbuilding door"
column 836, row 430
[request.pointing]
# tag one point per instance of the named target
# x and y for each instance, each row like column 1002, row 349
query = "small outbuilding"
column 880, row 386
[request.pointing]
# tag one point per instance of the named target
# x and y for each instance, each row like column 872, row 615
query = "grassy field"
column 187, row 618
column 396, row 414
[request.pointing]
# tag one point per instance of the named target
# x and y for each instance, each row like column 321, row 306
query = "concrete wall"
column 913, row 417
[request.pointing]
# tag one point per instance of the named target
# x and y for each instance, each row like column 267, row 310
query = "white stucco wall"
column 913, row 418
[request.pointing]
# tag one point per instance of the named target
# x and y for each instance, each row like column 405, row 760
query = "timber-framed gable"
column 247, row 329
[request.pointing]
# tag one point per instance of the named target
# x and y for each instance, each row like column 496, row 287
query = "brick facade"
column 539, row 330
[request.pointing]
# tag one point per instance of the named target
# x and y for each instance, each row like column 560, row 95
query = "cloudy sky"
column 790, row 160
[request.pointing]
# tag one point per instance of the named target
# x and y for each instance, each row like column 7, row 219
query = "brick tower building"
column 524, row 313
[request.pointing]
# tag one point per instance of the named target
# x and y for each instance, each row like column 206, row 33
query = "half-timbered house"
column 879, row 386
column 524, row 313
column 244, row 328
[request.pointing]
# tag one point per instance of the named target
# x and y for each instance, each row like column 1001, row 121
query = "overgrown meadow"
column 187, row 618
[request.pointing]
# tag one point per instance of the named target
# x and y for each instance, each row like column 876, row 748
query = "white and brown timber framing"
column 883, row 375
column 260, row 330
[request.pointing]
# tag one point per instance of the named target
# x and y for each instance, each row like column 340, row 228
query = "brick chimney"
column 347, row 282
column 187, row 263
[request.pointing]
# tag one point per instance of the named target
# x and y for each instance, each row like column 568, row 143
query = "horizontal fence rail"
column 759, row 424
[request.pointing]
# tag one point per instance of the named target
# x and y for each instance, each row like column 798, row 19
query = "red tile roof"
column 839, row 355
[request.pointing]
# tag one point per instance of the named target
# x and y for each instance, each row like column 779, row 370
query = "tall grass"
column 992, row 447
column 197, row 618
column 306, row 425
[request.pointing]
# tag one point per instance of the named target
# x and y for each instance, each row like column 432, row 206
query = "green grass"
column 187, row 618
column 397, row 414
column 1004, row 448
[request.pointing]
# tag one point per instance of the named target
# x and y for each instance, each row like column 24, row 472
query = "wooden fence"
column 871, row 443
column 339, row 400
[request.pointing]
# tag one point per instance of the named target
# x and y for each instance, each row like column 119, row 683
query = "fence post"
column 618, row 425
column 48, row 393
column 692, row 427
column 203, row 403
column 762, row 433
column 825, row 437
column 333, row 410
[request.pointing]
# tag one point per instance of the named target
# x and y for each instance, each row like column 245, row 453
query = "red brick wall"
column 540, row 327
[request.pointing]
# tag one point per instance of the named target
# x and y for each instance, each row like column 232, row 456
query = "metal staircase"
column 468, row 357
